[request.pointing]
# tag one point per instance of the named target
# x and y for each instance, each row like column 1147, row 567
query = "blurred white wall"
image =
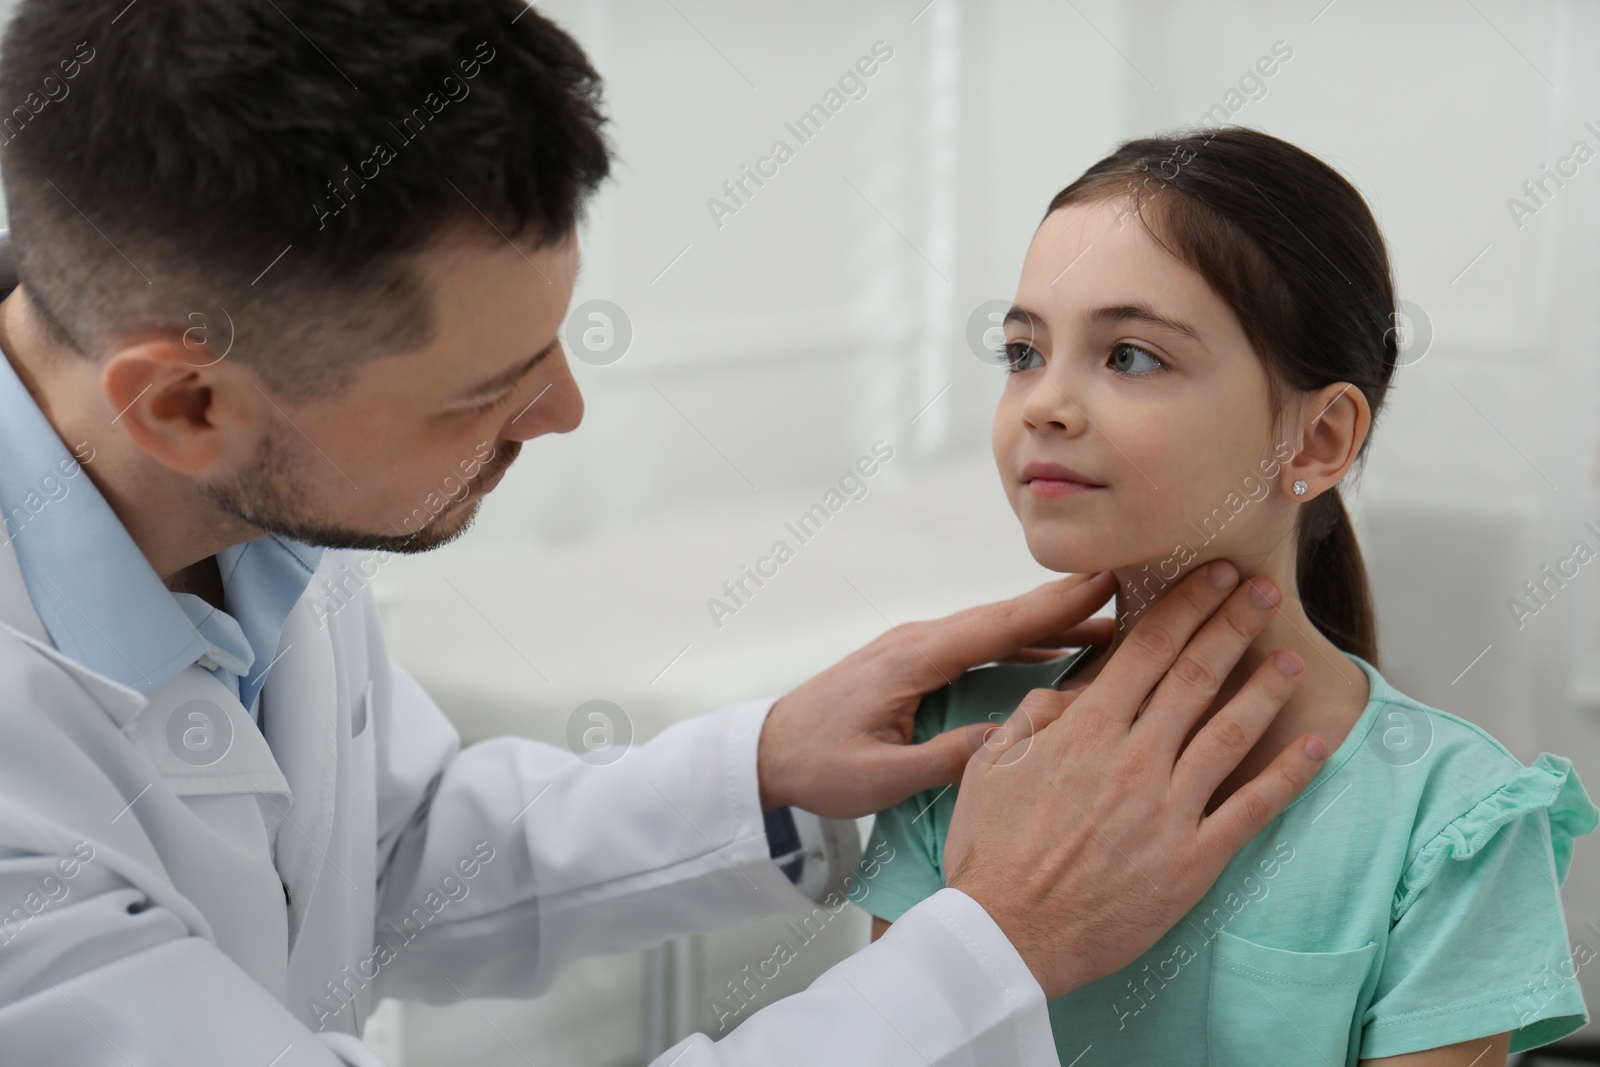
column 770, row 349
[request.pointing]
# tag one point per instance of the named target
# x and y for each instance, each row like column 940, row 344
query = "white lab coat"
column 154, row 911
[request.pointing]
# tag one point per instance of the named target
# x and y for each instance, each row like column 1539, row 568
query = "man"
column 283, row 270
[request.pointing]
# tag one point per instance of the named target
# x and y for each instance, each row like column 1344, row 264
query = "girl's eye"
column 1133, row 361
column 1021, row 356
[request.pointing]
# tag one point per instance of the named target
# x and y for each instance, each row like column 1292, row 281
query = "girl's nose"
column 1051, row 406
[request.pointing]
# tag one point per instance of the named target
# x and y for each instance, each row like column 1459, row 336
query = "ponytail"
column 1333, row 578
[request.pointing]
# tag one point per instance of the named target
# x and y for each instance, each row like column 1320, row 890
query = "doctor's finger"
column 1196, row 677
column 1097, row 632
column 1218, row 747
column 1146, row 659
column 939, row 761
column 1256, row 803
column 1041, row 707
column 1094, row 633
column 943, row 648
column 1035, row 655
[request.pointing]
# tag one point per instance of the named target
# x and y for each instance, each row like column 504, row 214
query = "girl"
column 1200, row 341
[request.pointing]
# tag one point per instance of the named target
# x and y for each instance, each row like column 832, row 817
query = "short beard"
column 268, row 495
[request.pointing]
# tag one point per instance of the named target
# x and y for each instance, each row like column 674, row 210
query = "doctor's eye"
column 1021, row 356
column 1131, row 361
column 485, row 408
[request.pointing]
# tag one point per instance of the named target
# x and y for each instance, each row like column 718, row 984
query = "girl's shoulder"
column 1455, row 783
column 1443, row 784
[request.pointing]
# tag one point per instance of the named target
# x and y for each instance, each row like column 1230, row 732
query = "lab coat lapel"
column 208, row 753
column 204, row 820
column 299, row 711
column 201, row 742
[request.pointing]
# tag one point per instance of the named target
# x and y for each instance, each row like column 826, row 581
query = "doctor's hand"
column 840, row 745
column 1081, row 825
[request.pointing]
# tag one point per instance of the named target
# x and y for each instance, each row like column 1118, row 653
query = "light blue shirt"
column 101, row 602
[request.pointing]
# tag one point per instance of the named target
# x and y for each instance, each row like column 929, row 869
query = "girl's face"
column 1134, row 427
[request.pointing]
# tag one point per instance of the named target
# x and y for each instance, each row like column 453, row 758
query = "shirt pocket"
column 1271, row 1006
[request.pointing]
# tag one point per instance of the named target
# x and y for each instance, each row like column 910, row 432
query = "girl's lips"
column 1055, row 487
column 1054, row 480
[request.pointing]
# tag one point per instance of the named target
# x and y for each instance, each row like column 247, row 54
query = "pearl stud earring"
column 1300, row 488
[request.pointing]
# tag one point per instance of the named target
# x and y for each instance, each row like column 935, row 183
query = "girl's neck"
column 1332, row 692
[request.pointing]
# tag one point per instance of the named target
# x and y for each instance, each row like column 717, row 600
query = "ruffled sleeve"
column 1549, row 789
column 1479, row 941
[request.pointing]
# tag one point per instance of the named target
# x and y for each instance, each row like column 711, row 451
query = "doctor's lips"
column 487, row 484
column 1052, row 480
column 487, row 478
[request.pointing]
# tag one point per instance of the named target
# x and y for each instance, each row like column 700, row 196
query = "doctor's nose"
column 554, row 405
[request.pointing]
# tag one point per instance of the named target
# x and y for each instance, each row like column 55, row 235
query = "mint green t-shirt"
column 1406, row 900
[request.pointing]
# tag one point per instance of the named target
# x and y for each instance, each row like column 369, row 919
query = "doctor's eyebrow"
column 507, row 378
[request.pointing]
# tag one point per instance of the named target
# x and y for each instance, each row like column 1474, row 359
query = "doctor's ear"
column 1327, row 435
column 184, row 409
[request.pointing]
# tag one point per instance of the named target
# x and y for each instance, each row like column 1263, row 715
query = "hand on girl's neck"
column 1331, row 694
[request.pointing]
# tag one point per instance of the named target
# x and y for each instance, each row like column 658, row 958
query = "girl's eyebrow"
column 1138, row 312
column 1022, row 315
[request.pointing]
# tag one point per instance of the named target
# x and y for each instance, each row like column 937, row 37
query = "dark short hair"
column 278, row 163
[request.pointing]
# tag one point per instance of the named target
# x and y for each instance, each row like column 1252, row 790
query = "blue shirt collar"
column 98, row 597
column 263, row 580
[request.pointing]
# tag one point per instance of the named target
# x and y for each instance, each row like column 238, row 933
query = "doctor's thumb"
column 938, row 761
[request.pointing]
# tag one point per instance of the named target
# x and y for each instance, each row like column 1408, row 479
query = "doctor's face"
column 400, row 460
column 1134, row 407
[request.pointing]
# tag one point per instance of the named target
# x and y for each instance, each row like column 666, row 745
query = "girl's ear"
column 1333, row 422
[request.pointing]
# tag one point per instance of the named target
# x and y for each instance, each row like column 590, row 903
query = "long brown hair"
column 1292, row 248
